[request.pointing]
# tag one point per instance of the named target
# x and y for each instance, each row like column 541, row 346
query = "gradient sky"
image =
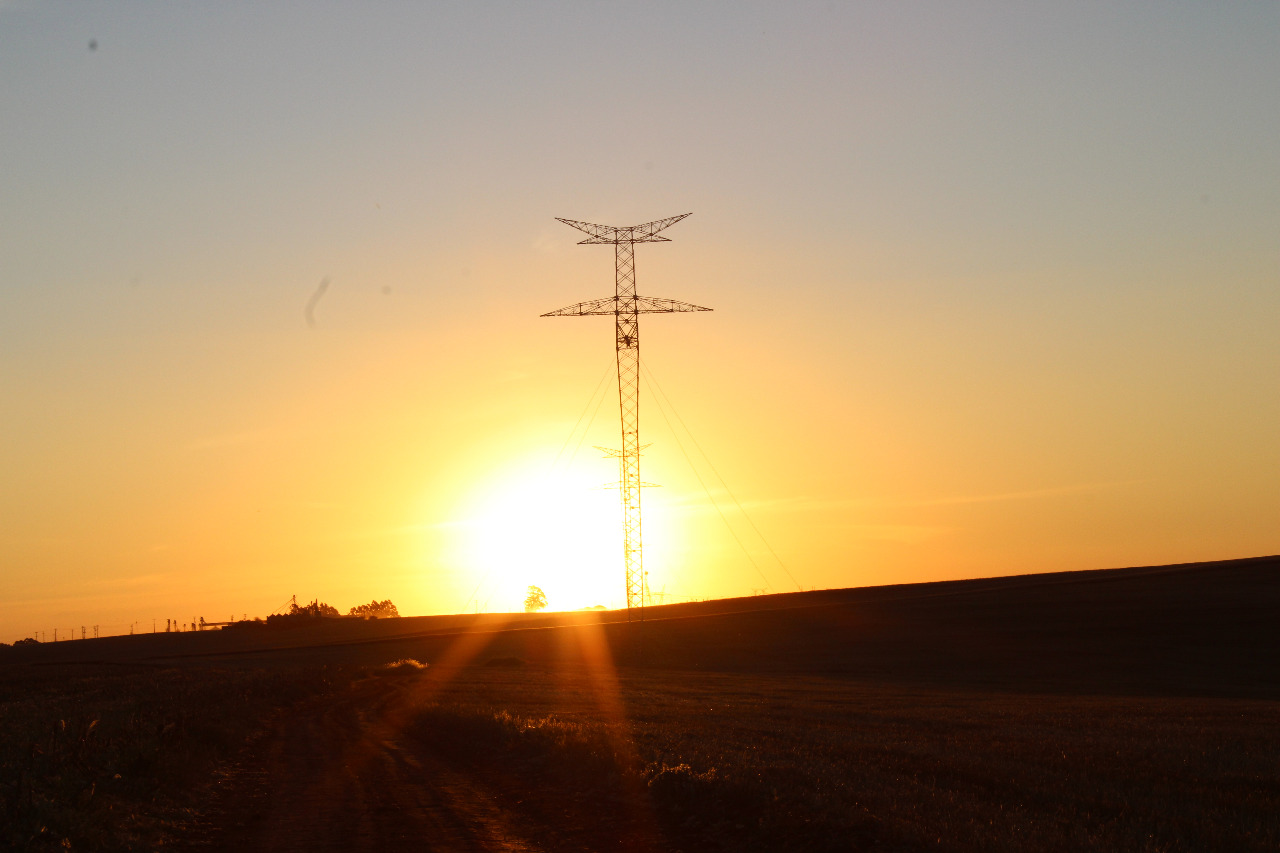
column 995, row 291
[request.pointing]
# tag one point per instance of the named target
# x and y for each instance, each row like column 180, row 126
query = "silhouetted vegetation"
column 536, row 600
column 375, row 610
column 299, row 615
column 315, row 608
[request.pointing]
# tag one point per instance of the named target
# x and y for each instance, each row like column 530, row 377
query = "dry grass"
column 757, row 763
column 404, row 666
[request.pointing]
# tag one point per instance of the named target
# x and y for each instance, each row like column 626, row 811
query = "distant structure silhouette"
column 626, row 306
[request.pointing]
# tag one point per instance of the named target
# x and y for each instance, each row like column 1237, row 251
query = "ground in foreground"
column 529, row 759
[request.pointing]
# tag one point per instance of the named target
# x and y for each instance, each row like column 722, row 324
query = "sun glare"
column 559, row 532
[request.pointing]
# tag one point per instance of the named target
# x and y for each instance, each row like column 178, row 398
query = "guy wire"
column 590, row 400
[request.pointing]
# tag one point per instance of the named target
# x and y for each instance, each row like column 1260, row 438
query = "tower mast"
column 626, row 306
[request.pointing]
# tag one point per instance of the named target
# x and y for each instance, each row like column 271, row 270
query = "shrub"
column 404, row 666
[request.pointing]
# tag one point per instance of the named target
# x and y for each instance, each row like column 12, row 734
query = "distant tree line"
column 296, row 615
column 301, row 614
column 315, row 608
column 375, row 610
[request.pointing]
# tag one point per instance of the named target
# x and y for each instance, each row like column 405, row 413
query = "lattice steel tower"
column 626, row 306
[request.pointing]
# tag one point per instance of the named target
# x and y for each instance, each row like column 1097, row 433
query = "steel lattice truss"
column 626, row 306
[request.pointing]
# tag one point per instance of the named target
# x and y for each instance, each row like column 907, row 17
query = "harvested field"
column 110, row 757
column 1128, row 710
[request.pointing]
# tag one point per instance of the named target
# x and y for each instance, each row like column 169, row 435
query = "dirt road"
column 341, row 774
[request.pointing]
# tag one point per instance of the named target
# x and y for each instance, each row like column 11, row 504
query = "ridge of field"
column 1188, row 629
column 1130, row 709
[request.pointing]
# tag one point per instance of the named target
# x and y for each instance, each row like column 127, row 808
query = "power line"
column 723, row 518
column 585, row 432
column 653, row 380
column 574, row 431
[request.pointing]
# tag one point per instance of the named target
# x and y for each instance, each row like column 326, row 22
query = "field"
column 117, row 757
column 1124, row 710
column 734, row 762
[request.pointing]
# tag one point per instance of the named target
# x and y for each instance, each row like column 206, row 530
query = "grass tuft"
column 404, row 666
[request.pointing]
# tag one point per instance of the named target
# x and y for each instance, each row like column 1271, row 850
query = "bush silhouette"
column 375, row 610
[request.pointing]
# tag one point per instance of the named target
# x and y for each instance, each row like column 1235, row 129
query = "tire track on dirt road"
column 334, row 775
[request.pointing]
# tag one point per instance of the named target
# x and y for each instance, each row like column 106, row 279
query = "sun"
column 558, row 531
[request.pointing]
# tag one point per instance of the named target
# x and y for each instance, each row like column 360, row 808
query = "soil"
column 342, row 774
column 346, row 771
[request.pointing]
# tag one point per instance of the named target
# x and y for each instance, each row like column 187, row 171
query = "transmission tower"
column 626, row 306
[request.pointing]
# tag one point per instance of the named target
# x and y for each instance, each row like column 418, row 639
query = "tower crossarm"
column 584, row 309
column 655, row 305
column 646, row 233
column 626, row 306
column 612, row 305
column 614, row 453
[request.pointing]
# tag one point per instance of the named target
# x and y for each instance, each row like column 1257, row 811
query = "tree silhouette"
column 536, row 600
column 375, row 610
column 315, row 608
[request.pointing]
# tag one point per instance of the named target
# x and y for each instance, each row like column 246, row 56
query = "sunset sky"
column 995, row 286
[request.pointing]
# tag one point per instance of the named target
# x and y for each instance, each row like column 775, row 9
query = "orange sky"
column 994, row 292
